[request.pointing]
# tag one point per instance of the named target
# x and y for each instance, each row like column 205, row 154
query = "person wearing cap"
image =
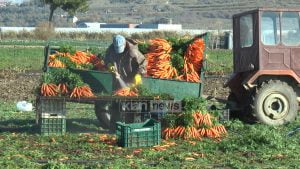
column 127, row 61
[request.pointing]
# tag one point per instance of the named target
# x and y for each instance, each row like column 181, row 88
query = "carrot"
column 221, row 129
column 49, row 89
column 207, row 119
column 183, row 130
column 83, row 91
column 202, row 132
column 125, row 92
column 55, row 63
column 167, row 133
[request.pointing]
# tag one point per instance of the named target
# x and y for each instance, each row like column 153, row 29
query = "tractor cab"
column 267, row 39
column 266, row 58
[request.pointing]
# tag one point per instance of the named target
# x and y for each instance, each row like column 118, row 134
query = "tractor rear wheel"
column 275, row 103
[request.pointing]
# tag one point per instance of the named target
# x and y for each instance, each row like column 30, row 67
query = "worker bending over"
column 125, row 60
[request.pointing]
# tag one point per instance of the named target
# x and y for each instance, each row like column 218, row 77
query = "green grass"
column 219, row 62
column 58, row 42
column 246, row 146
column 21, row 58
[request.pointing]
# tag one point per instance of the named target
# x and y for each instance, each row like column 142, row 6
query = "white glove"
column 117, row 75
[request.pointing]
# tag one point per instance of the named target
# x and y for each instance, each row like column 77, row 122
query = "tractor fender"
column 250, row 81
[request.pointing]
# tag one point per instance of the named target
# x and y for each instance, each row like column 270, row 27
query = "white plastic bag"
column 24, row 106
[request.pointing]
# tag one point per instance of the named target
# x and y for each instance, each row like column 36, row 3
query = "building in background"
column 122, row 26
column 3, row 3
column 88, row 25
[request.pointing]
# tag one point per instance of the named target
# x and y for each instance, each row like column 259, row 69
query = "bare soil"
column 213, row 87
column 17, row 86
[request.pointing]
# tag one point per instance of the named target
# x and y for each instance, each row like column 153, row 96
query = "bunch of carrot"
column 202, row 127
column 79, row 58
column 190, row 74
column 159, row 60
column 185, row 133
column 64, row 54
column 56, row 63
column 82, row 91
column 193, row 61
column 126, row 92
column 49, row 89
column 63, row 88
column 194, row 53
column 53, row 62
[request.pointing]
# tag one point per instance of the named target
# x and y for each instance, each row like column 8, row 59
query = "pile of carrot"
column 126, row 92
column 193, row 61
column 202, row 127
column 190, row 74
column 80, row 57
column 82, row 91
column 55, row 63
column 67, row 54
column 194, row 53
column 49, row 89
column 77, row 92
column 159, row 60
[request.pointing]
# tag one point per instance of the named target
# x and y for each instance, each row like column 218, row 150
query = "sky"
column 15, row 1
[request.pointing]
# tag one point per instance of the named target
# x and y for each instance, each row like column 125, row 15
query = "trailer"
column 107, row 106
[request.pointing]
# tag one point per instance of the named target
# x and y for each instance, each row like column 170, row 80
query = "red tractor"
column 266, row 76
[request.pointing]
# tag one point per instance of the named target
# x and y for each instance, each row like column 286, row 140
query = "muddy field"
column 18, row 85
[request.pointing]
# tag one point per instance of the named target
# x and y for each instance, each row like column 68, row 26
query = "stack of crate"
column 51, row 116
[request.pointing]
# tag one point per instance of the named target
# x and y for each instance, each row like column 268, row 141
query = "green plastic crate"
column 51, row 106
column 52, row 124
column 138, row 134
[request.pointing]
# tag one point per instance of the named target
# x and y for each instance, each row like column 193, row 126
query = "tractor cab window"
column 270, row 28
column 290, row 28
column 246, row 31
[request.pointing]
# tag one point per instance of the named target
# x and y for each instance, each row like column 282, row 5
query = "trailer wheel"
column 275, row 103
